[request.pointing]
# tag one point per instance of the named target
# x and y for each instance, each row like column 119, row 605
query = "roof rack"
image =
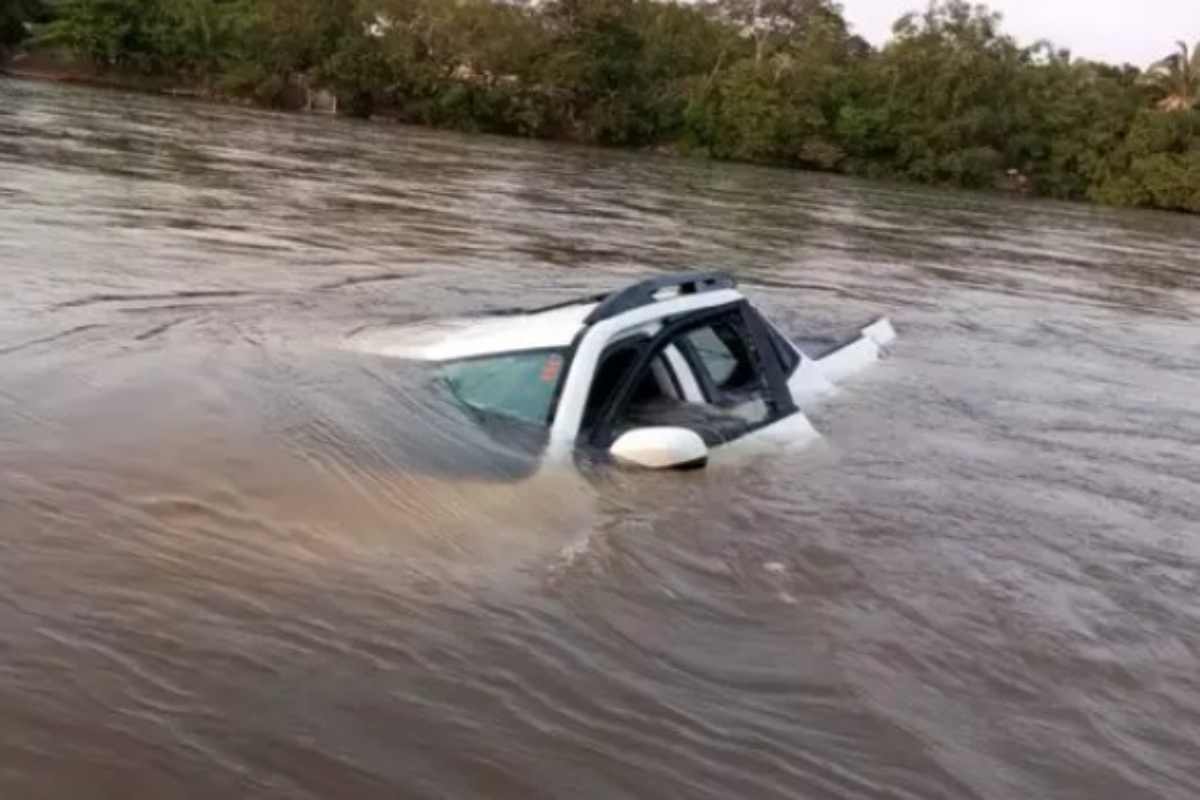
column 642, row 293
column 520, row 311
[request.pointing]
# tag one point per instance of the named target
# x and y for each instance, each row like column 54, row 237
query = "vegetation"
column 16, row 18
column 1177, row 77
column 950, row 99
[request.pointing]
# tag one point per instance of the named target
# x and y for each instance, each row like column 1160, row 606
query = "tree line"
column 950, row 99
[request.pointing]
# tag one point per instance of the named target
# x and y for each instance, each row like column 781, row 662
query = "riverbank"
column 951, row 100
column 297, row 96
column 1165, row 180
column 57, row 67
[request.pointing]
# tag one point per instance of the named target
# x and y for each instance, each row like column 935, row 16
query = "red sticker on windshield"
column 552, row 368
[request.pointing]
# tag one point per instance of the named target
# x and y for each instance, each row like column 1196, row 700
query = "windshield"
column 518, row 386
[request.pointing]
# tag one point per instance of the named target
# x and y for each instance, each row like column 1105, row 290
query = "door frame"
column 778, row 395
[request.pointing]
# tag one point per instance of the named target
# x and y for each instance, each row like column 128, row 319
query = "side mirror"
column 661, row 448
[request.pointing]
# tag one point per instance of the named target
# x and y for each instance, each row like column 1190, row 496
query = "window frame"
column 639, row 342
column 785, row 351
column 635, row 342
column 776, row 393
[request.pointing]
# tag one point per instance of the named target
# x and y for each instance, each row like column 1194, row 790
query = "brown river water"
column 237, row 560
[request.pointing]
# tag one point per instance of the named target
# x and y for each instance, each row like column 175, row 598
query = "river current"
column 237, row 560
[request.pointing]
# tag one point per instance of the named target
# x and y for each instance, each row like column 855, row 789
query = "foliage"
column 773, row 24
column 197, row 36
column 949, row 99
column 1177, row 78
column 1158, row 164
column 15, row 18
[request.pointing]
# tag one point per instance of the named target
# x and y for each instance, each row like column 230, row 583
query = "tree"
column 196, row 37
column 1158, row 164
column 295, row 36
column 1177, row 77
column 106, row 32
column 16, row 18
column 772, row 23
column 1068, row 116
column 942, row 96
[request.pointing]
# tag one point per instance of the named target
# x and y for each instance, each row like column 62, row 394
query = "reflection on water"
column 237, row 559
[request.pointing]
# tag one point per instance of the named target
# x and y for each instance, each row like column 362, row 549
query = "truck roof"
column 553, row 326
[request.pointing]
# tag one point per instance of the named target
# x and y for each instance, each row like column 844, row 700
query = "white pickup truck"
column 657, row 375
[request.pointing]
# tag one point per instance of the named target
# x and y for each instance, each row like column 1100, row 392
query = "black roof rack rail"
column 642, row 293
column 519, row 311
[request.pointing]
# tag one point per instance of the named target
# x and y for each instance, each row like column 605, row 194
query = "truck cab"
column 661, row 374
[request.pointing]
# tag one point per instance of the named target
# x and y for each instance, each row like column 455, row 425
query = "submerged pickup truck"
column 659, row 375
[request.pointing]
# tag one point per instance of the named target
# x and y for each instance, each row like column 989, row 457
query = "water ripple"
column 238, row 560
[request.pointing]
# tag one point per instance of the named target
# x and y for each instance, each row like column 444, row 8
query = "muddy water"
column 236, row 561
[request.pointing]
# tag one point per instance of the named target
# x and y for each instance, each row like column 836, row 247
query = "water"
column 236, row 561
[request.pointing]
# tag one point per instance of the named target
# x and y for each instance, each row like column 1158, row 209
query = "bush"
column 1158, row 165
column 16, row 20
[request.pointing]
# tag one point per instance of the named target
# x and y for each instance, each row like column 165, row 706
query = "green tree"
column 201, row 37
column 1158, row 164
column 1177, row 78
column 16, row 20
column 106, row 32
column 296, row 36
column 194, row 36
column 595, row 61
column 773, row 23
column 1068, row 116
column 942, row 94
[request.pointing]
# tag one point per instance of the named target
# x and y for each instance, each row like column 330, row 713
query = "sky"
column 1118, row 31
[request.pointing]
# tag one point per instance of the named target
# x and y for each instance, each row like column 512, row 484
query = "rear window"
column 519, row 386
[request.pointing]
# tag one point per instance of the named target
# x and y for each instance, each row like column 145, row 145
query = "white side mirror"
column 661, row 448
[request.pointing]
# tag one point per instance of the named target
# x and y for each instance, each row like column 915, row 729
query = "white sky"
column 1137, row 31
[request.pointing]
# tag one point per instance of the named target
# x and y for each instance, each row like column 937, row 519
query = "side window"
column 737, row 399
column 723, row 351
column 615, row 365
column 714, row 354
column 611, row 370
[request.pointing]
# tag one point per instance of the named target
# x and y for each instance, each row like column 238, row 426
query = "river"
column 237, row 560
